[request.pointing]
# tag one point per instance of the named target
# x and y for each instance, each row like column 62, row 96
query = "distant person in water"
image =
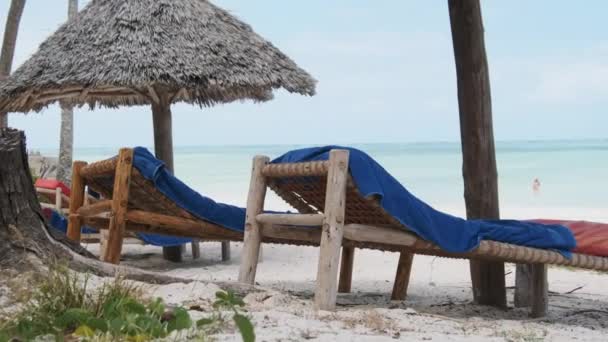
column 536, row 186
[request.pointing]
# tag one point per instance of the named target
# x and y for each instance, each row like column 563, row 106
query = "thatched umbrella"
column 152, row 52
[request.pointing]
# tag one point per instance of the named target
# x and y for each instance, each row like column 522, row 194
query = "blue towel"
column 61, row 223
column 451, row 233
column 224, row 215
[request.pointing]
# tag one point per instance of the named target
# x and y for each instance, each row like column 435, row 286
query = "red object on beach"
column 52, row 184
column 591, row 237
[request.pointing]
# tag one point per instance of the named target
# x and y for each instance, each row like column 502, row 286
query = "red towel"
column 52, row 184
column 591, row 237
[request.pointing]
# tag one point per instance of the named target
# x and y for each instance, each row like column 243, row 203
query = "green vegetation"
column 67, row 307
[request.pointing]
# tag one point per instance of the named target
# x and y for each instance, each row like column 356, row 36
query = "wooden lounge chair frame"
column 325, row 195
column 131, row 204
column 56, row 200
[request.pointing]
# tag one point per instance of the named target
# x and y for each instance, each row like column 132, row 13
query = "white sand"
column 438, row 306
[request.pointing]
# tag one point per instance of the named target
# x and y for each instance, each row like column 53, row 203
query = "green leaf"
column 116, row 325
column 84, row 331
column 131, row 306
column 181, row 320
column 221, row 295
column 238, row 301
column 205, row 321
column 245, row 327
column 110, row 309
column 97, row 324
column 157, row 307
column 73, row 318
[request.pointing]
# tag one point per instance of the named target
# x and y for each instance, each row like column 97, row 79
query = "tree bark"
column 8, row 45
column 163, row 148
column 66, row 145
column 66, row 137
column 477, row 139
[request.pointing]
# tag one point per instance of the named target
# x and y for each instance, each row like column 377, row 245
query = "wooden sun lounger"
column 132, row 204
column 327, row 198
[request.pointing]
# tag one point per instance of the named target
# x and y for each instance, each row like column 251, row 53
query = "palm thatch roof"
column 128, row 52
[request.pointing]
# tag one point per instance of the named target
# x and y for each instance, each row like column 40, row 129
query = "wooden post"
column 163, row 149
column 120, row 202
column 253, row 234
column 103, row 243
column 225, row 250
column 196, row 249
column 477, row 139
column 402, row 278
column 261, row 254
column 77, row 194
column 346, row 269
column 522, row 295
column 540, row 291
column 332, row 231
column 59, row 200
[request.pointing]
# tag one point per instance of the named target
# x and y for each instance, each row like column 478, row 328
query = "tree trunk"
column 22, row 232
column 66, row 145
column 477, row 138
column 66, row 138
column 163, row 148
column 25, row 241
column 8, row 45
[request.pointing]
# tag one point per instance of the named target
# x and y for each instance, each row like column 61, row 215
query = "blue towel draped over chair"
column 451, row 233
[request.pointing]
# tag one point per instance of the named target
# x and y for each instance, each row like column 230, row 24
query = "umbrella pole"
column 163, row 148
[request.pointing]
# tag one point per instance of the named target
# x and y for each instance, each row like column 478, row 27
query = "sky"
column 385, row 72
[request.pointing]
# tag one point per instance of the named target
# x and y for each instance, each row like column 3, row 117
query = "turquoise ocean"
column 572, row 174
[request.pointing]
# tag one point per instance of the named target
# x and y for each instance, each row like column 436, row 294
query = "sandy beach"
column 439, row 305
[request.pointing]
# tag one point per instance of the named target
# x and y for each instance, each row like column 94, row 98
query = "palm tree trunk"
column 8, row 45
column 477, row 139
column 66, row 145
column 66, row 140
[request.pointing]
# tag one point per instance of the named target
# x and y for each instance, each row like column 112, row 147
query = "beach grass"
column 64, row 305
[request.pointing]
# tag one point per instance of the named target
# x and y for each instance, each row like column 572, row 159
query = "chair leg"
column 540, row 291
column 120, row 201
column 346, row 269
column 402, row 278
column 196, row 249
column 253, row 235
column 332, row 231
column 103, row 243
column 59, row 200
column 76, row 200
column 522, row 295
column 225, row 250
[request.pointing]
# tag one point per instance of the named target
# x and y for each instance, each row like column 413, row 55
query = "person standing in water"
column 536, row 186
